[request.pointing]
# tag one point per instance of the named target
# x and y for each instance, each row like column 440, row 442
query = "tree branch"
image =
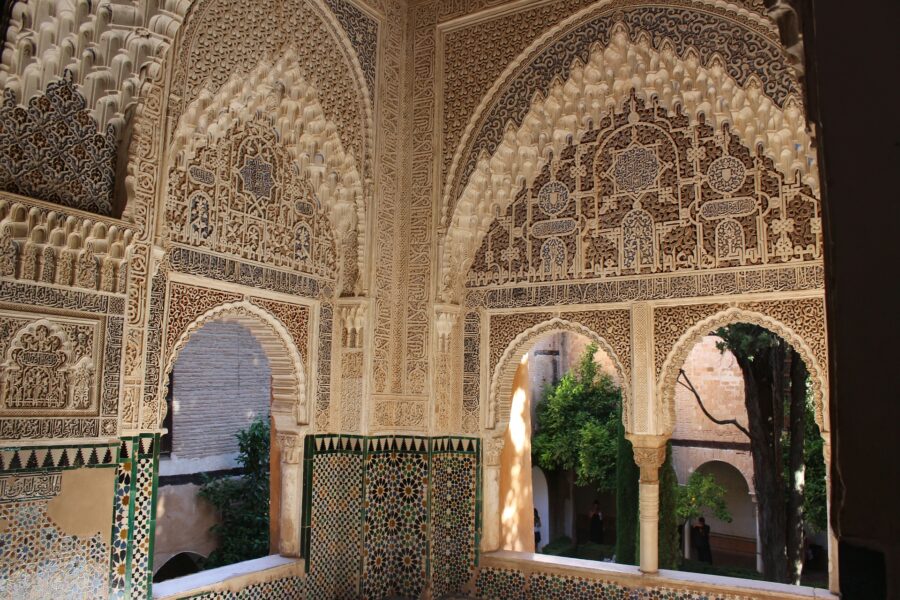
column 690, row 387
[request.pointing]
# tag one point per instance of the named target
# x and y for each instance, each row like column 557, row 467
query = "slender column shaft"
column 490, row 536
column 649, row 519
column 289, row 544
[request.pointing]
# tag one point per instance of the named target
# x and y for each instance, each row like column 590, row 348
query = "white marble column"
column 649, row 454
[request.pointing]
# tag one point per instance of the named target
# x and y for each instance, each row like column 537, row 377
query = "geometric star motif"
column 257, row 177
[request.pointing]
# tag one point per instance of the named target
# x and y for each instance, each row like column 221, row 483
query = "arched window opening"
column 183, row 563
column 220, row 392
column 558, row 462
column 749, row 461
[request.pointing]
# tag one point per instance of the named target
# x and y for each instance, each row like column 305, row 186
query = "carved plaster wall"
column 644, row 193
column 554, row 62
column 491, row 194
column 60, row 353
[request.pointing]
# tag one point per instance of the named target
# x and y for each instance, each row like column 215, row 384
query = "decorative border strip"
column 805, row 277
column 27, row 487
column 193, row 262
column 45, row 296
column 36, row 459
column 134, row 518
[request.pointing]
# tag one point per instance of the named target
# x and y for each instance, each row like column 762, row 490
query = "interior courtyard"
column 295, row 294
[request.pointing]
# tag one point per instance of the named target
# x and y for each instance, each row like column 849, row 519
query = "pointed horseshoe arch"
column 678, row 354
column 290, row 404
column 501, row 388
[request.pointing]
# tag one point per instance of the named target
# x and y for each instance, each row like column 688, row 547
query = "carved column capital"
column 445, row 319
column 649, row 455
column 351, row 316
column 290, row 444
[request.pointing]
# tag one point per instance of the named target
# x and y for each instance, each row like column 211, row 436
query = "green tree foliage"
column 627, row 479
column 702, row 493
column 815, row 507
column 784, row 444
column 815, row 503
column 669, row 547
column 576, row 425
column 242, row 502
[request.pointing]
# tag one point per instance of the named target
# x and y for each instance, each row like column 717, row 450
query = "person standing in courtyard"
column 701, row 541
column 596, row 524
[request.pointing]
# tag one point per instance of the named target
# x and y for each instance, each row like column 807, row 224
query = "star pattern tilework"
column 396, row 521
column 454, row 477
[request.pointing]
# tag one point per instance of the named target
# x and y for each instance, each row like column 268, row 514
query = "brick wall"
column 718, row 379
column 221, row 382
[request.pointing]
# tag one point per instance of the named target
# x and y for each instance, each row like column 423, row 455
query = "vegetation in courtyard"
column 700, row 496
column 577, row 425
column 578, row 429
column 627, row 477
column 783, row 444
column 564, row 546
column 242, row 502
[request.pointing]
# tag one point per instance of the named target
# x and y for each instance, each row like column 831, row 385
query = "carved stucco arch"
column 290, row 405
column 627, row 76
column 592, row 90
column 501, row 388
column 202, row 16
column 144, row 161
column 279, row 93
column 665, row 388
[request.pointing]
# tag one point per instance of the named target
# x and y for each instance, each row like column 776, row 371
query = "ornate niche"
column 243, row 196
column 50, row 368
column 644, row 192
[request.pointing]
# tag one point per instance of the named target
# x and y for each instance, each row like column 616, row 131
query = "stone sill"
column 230, row 577
column 632, row 576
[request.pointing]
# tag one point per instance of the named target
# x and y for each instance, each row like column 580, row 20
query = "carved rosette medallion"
column 726, row 174
column 553, row 198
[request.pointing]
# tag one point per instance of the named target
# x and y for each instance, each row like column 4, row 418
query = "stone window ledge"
column 631, row 576
column 230, row 577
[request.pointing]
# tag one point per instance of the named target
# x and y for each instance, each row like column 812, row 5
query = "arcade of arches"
column 394, row 198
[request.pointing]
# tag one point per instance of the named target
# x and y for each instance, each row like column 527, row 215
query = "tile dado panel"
column 48, row 548
column 134, row 518
column 405, row 505
column 332, row 524
column 454, row 513
column 396, row 517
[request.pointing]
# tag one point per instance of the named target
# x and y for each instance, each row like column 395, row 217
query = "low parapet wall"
column 521, row 576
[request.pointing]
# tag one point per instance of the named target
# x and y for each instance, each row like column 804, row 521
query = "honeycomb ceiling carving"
column 591, row 91
column 221, row 38
column 717, row 36
column 103, row 45
column 106, row 51
column 109, row 48
column 281, row 93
